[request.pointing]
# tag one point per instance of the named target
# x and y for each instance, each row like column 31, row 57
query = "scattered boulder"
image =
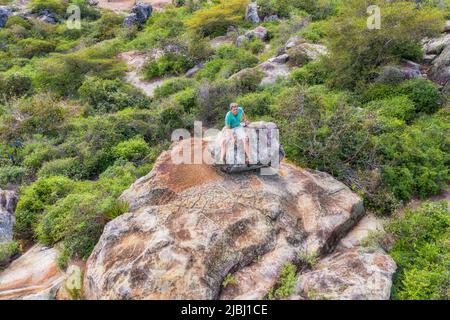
column 395, row 74
column 311, row 51
column 271, row 18
column 190, row 225
column 240, row 40
column 8, row 201
column 139, row 15
column 259, row 32
column 47, row 16
column 283, row 58
column 5, row 13
column 349, row 274
column 272, row 71
column 440, row 69
column 34, row 275
column 193, row 71
column 252, row 13
column 436, row 45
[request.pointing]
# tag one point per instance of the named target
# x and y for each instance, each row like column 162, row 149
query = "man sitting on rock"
column 235, row 121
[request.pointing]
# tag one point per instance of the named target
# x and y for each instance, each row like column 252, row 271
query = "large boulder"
column 351, row 274
column 440, row 69
column 47, row 16
column 139, row 15
column 252, row 13
column 34, row 275
column 190, row 225
column 8, row 201
column 5, row 13
column 261, row 135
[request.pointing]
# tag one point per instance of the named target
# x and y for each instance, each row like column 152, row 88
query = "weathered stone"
column 440, row 69
column 34, row 275
column 273, row 71
column 239, row 41
column 349, row 274
column 5, row 13
column 280, row 59
column 262, row 135
column 193, row 71
column 47, row 16
column 139, row 15
column 8, row 201
column 252, row 13
column 436, row 45
column 258, row 33
column 190, row 225
column 271, row 18
column 395, row 74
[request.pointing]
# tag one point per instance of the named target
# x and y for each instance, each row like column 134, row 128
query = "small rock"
column 271, row 18
column 139, row 15
column 192, row 72
column 252, row 13
column 47, row 16
column 280, row 59
column 8, row 201
column 428, row 58
column 239, row 41
column 5, row 13
column 259, row 33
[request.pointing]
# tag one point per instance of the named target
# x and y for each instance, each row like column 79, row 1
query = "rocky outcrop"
column 190, row 225
column 262, row 136
column 437, row 56
column 258, row 33
column 8, row 201
column 251, row 14
column 395, row 74
column 351, row 274
column 5, row 13
column 47, row 16
column 34, row 275
column 139, row 15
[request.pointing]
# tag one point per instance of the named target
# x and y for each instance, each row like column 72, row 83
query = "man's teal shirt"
column 233, row 121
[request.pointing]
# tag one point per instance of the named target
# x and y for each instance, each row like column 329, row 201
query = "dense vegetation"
column 74, row 134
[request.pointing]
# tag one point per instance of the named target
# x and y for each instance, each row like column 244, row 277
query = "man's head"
column 234, row 108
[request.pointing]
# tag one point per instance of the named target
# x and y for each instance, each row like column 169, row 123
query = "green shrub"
column 256, row 103
column 423, row 93
column 109, row 95
column 286, row 283
column 14, row 85
column 172, row 86
column 409, row 50
column 215, row 20
column 169, row 64
column 421, row 252
column 35, row 154
column 133, row 150
column 34, row 199
column 187, row 99
column 7, row 250
column 68, row 167
column 255, row 45
column 247, row 80
column 11, row 175
column 312, row 74
column 17, row 20
column 28, row 48
column 211, row 69
column 57, row 6
column 400, row 107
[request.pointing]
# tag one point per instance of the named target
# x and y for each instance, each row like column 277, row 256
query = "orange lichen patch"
column 178, row 174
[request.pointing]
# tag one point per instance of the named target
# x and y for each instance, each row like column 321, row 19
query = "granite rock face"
column 139, row 15
column 8, row 201
column 190, row 225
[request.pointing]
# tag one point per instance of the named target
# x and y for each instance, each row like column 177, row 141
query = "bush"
column 134, row 149
column 255, row 45
column 56, row 6
column 247, row 80
column 172, row 86
column 35, row 154
column 312, row 74
column 216, row 19
column 14, row 85
column 286, row 284
column 423, row 93
column 68, row 167
column 11, row 175
column 421, row 252
column 110, row 95
column 7, row 250
column 256, row 103
column 28, row 48
column 187, row 99
column 169, row 64
column 355, row 50
column 400, row 107
column 17, row 20
column 34, row 199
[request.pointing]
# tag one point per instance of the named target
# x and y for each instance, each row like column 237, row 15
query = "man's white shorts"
column 238, row 132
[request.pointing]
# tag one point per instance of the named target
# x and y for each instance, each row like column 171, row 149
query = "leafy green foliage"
column 421, row 252
column 7, row 250
column 286, row 283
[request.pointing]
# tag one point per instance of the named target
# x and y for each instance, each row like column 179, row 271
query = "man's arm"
column 244, row 118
